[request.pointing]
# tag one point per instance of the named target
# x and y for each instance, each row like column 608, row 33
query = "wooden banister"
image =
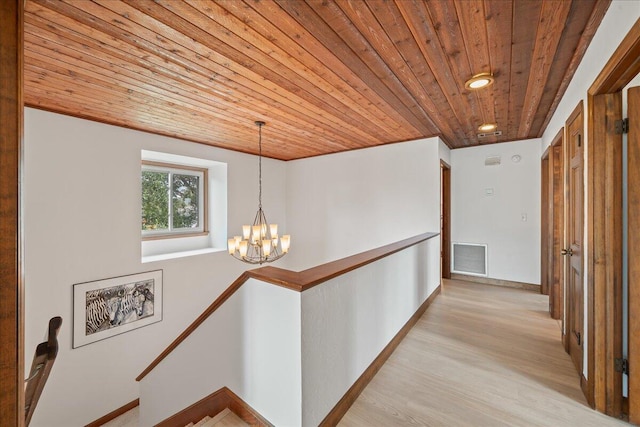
column 43, row 359
column 297, row 281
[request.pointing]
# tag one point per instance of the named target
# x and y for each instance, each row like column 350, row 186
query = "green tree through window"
column 155, row 200
column 172, row 199
column 185, row 200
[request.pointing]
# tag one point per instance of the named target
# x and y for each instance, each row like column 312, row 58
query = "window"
column 174, row 227
column 173, row 200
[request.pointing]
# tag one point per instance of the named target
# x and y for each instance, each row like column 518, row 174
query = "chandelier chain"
column 260, row 124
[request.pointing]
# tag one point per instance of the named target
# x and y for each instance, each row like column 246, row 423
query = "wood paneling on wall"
column 11, row 291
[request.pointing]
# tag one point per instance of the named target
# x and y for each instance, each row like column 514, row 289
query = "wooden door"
column 573, row 250
column 445, row 220
column 633, row 209
column 556, row 218
column 545, row 274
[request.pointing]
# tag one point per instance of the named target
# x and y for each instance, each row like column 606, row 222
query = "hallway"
column 480, row 356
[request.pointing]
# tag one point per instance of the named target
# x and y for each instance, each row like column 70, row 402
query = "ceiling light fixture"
column 487, row 127
column 259, row 242
column 479, row 81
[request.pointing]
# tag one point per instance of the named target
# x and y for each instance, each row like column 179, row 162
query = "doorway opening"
column 445, row 220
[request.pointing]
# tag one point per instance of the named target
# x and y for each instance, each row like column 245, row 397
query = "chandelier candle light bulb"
column 259, row 241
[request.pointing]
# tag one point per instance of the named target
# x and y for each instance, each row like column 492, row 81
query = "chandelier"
column 259, row 242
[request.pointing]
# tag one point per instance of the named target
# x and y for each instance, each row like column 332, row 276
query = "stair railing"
column 43, row 359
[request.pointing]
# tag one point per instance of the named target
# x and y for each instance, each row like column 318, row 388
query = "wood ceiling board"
column 346, row 93
column 419, row 23
column 254, row 52
column 473, row 24
column 550, row 28
column 194, row 17
column 311, row 46
column 582, row 24
column 409, row 62
column 526, row 16
column 499, row 19
column 353, row 48
column 444, row 19
column 177, row 69
column 326, row 75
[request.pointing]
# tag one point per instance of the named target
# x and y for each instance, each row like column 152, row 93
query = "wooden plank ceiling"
column 326, row 75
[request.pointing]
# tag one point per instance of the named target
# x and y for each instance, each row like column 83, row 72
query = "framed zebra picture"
column 108, row 307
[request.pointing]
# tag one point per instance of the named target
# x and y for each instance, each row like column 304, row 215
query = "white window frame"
column 203, row 211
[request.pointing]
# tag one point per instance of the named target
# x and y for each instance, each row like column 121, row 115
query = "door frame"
column 556, row 224
column 546, row 204
column 568, row 326
column 632, row 406
column 604, row 227
column 445, row 226
column 11, row 271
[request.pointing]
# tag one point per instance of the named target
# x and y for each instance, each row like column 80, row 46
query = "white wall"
column 513, row 245
column 251, row 345
column 620, row 17
column 349, row 320
column 82, row 223
column 345, row 203
column 445, row 152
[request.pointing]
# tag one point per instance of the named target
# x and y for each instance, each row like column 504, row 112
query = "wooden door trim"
column 603, row 338
column 556, row 217
column 545, row 209
column 446, row 225
column 633, row 209
column 578, row 111
column 607, row 251
column 11, row 289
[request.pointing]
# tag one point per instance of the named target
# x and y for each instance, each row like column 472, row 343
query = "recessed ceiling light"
column 487, row 127
column 479, row 81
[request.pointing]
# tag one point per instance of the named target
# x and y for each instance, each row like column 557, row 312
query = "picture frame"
column 108, row 307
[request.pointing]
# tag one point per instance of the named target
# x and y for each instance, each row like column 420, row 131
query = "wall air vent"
column 492, row 161
column 488, row 134
column 469, row 258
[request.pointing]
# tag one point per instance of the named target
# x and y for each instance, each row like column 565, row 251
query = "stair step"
column 202, row 422
column 226, row 418
column 231, row 420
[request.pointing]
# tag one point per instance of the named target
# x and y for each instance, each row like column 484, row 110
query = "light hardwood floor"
column 480, row 356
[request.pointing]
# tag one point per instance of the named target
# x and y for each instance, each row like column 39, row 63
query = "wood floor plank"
column 480, row 356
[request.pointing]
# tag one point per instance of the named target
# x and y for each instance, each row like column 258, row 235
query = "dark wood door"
column 445, row 220
column 556, row 281
column 573, row 250
column 545, row 229
column 633, row 209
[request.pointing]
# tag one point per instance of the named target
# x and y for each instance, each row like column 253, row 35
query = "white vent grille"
column 492, row 161
column 469, row 258
column 488, row 134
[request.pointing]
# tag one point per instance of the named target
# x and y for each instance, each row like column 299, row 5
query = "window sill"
column 146, row 237
column 182, row 254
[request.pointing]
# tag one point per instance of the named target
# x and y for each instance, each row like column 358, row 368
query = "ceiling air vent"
column 492, row 161
column 488, row 134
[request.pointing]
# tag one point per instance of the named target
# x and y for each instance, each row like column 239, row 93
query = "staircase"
column 225, row 418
